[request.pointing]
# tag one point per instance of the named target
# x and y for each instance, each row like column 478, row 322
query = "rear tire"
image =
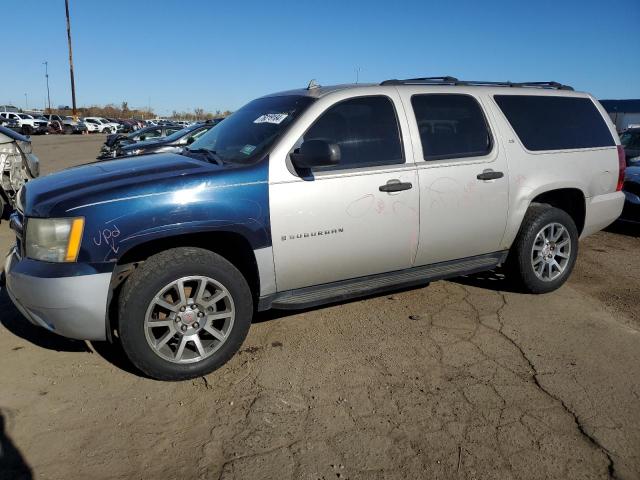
column 27, row 130
column 158, row 324
column 545, row 250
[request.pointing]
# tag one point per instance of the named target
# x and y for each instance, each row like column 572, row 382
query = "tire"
column 68, row 129
column 170, row 351
column 26, row 129
column 530, row 252
column 107, row 131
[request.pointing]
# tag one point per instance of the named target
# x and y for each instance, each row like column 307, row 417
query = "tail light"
column 622, row 164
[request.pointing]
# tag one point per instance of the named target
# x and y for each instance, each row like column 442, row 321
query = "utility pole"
column 73, row 83
column 26, row 102
column 46, row 75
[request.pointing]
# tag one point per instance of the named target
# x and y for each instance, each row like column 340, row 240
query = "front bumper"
column 71, row 306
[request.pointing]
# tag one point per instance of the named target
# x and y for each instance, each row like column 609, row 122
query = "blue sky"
column 219, row 55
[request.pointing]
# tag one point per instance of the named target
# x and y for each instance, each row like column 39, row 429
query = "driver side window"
column 366, row 130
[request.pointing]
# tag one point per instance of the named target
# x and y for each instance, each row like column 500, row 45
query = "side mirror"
column 316, row 153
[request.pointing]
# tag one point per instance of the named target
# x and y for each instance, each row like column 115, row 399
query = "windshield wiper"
column 208, row 154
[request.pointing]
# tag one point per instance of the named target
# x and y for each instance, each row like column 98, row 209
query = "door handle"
column 395, row 185
column 489, row 174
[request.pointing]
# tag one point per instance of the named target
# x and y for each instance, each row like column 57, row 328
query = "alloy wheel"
column 189, row 319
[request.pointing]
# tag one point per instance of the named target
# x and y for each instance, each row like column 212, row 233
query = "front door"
column 349, row 220
column 463, row 177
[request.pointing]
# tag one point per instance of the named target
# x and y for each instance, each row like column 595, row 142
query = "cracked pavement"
column 460, row 379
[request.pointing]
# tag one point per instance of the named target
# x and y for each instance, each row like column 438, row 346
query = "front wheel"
column 545, row 250
column 184, row 313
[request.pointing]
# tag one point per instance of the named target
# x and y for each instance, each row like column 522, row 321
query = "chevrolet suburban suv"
column 313, row 196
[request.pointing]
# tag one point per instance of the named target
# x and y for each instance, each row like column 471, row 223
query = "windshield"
column 23, row 115
column 249, row 132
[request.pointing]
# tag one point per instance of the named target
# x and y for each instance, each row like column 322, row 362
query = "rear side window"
column 451, row 126
column 365, row 128
column 555, row 123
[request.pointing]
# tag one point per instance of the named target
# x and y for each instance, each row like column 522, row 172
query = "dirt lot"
column 461, row 379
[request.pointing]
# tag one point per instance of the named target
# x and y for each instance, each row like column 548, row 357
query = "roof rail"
column 454, row 81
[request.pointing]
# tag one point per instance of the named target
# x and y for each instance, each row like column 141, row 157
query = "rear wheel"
column 184, row 313
column 26, row 130
column 545, row 250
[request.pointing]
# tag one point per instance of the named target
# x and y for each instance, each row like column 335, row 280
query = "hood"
column 55, row 194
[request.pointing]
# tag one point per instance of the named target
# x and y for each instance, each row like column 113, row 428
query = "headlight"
column 54, row 239
column 136, row 151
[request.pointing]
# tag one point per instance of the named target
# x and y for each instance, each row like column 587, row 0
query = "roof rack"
column 454, row 81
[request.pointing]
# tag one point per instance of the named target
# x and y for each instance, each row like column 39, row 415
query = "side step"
column 346, row 289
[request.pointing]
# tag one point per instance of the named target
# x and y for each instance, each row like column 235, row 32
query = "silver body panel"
column 74, row 307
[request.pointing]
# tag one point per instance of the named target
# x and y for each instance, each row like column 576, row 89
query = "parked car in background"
column 118, row 140
column 92, row 126
column 28, row 124
column 66, row 125
column 172, row 143
column 11, row 124
column 631, row 190
column 18, row 165
column 630, row 140
column 103, row 125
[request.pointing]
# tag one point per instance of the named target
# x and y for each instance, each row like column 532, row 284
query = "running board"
column 346, row 289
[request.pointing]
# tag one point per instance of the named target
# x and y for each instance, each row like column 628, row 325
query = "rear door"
column 462, row 171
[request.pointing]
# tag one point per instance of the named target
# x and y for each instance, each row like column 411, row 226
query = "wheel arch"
column 255, row 265
column 569, row 198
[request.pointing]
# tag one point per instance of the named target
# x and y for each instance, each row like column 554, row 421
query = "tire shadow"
column 495, row 280
column 13, row 465
column 115, row 355
column 624, row 228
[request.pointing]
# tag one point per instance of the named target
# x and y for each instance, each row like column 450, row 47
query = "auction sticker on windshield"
column 247, row 149
column 276, row 118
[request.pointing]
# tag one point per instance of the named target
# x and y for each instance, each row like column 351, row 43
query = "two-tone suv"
column 313, row 196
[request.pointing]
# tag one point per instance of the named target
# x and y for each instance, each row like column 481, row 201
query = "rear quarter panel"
column 593, row 171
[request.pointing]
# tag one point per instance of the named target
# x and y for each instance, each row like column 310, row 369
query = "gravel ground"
column 460, row 379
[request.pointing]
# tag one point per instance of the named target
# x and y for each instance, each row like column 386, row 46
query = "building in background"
column 624, row 113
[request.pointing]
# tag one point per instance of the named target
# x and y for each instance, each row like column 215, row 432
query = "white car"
column 27, row 123
column 92, row 125
column 103, row 125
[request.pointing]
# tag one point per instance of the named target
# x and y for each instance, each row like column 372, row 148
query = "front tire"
column 545, row 250
column 184, row 313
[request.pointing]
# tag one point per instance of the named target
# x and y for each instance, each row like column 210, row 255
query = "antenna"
column 313, row 84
